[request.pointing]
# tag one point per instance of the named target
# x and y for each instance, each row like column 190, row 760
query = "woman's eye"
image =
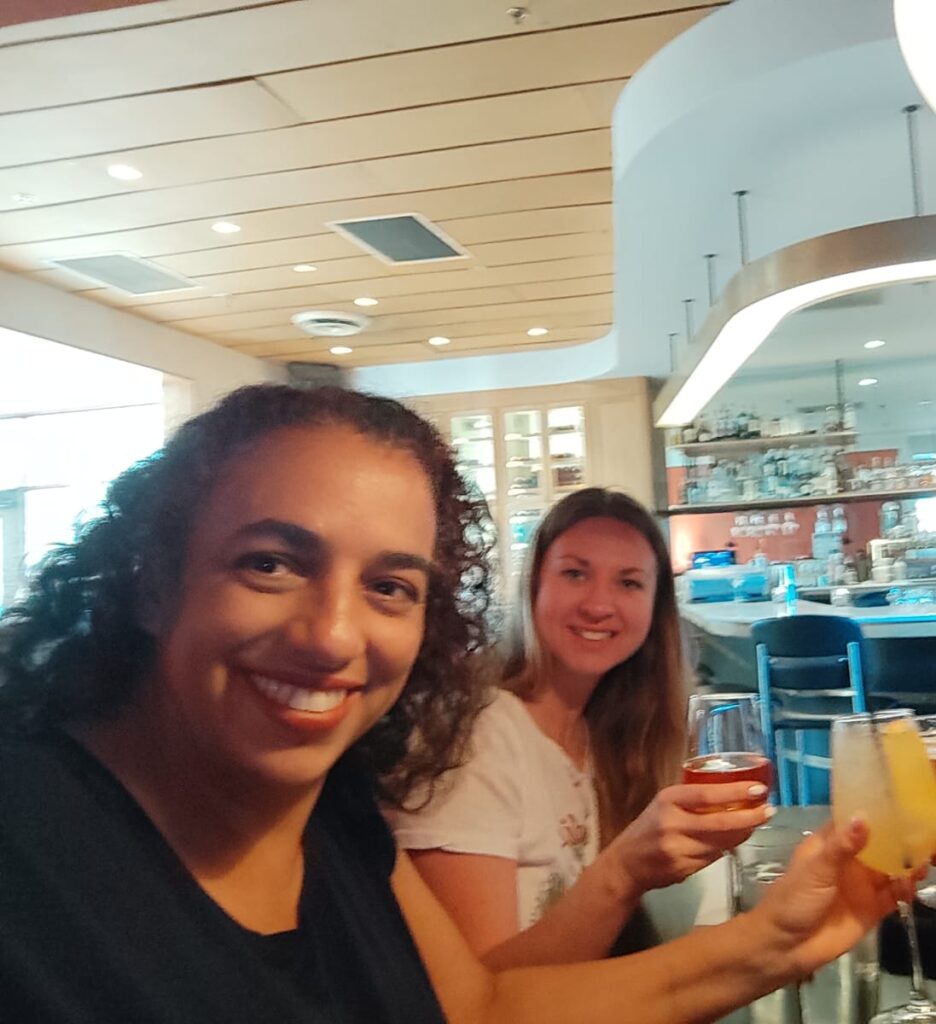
column 572, row 574
column 264, row 563
column 396, row 591
column 631, row 584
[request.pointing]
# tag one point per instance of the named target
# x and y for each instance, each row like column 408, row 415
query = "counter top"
column 731, row 618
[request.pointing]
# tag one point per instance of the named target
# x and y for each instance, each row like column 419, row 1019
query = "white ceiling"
column 797, row 102
column 283, row 115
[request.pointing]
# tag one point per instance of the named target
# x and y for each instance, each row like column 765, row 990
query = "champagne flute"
column 726, row 744
column 927, row 725
column 880, row 771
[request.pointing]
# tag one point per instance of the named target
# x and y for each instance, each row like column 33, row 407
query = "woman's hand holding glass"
column 825, row 901
column 685, row 828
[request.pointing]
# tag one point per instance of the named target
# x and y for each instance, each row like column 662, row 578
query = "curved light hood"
column 762, row 293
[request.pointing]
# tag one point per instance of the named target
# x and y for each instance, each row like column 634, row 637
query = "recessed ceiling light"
column 304, row 268
column 926, row 401
column 225, row 227
column 340, row 350
column 866, row 382
column 537, row 332
column 439, row 340
column 124, row 172
column 365, row 301
column 877, row 343
column 23, row 198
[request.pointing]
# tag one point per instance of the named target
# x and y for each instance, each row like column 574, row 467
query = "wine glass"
column 881, row 772
column 726, row 744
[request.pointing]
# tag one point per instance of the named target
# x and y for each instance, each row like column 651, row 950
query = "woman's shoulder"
column 504, row 723
column 29, row 763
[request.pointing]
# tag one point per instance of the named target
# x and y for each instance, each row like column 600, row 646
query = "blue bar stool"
column 808, row 672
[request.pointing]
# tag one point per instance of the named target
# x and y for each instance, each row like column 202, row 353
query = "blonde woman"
column 543, row 844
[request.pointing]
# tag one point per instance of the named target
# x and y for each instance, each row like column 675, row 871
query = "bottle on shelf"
column 754, row 424
column 829, row 475
column 839, row 521
column 831, row 423
column 784, row 594
column 705, row 433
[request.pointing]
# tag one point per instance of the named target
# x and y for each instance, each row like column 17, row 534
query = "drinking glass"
column 764, row 859
column 926, row 894
column 880, row 771
column 726, row 744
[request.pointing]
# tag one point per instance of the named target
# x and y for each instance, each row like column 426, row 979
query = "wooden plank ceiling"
column 284, row 115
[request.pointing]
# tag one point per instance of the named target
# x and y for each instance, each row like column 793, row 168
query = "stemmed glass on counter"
column 881, row 772
column 926, row 724
column 726, row 744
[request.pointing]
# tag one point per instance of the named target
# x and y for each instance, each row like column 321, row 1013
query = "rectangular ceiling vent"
column 125, row 272
column 401, row 238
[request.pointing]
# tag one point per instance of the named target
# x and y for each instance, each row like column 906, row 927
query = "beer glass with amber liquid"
column 726, row 744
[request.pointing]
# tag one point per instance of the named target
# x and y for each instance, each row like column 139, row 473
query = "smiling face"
column 594, row 600
column 302, row 604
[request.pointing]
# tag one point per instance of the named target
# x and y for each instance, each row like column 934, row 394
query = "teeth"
column 591, row 634
column 297, row 698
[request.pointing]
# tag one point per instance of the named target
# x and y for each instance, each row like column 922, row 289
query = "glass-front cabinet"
column 523, row 453
column 526, row 447
column 521, row 460
column 472, row 436
column 566, row 428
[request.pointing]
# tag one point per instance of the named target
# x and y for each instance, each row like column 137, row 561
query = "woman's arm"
column 480, row 895
column 666, row 844
column 823, row 905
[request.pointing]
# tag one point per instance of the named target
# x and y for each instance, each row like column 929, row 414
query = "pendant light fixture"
column 765, row 292
column 915, row 21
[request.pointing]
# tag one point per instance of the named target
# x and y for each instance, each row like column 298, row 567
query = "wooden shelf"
column 816, row 499
column 763, row 444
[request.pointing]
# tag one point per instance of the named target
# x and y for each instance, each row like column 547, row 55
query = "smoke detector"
column 324, row 323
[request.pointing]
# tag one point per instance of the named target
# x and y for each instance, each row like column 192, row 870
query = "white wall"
column 37, row 309
column 560, row 365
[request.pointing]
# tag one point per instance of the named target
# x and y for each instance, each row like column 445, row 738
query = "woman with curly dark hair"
column 201, row 698
column 80, row 646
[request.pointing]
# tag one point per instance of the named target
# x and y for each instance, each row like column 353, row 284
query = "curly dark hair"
column 75, row 650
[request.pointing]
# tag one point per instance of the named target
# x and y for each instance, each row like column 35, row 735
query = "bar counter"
column 898, row 653
column 734, row 618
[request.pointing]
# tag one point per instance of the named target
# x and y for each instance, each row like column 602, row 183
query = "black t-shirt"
column 100, row 923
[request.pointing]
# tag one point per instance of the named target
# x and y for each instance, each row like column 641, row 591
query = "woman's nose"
column 327, row 625
column 597, row 600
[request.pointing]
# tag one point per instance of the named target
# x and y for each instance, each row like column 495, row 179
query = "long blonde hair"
column 636, row 715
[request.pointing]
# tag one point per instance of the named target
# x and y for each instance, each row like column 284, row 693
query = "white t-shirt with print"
column 519, row 796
